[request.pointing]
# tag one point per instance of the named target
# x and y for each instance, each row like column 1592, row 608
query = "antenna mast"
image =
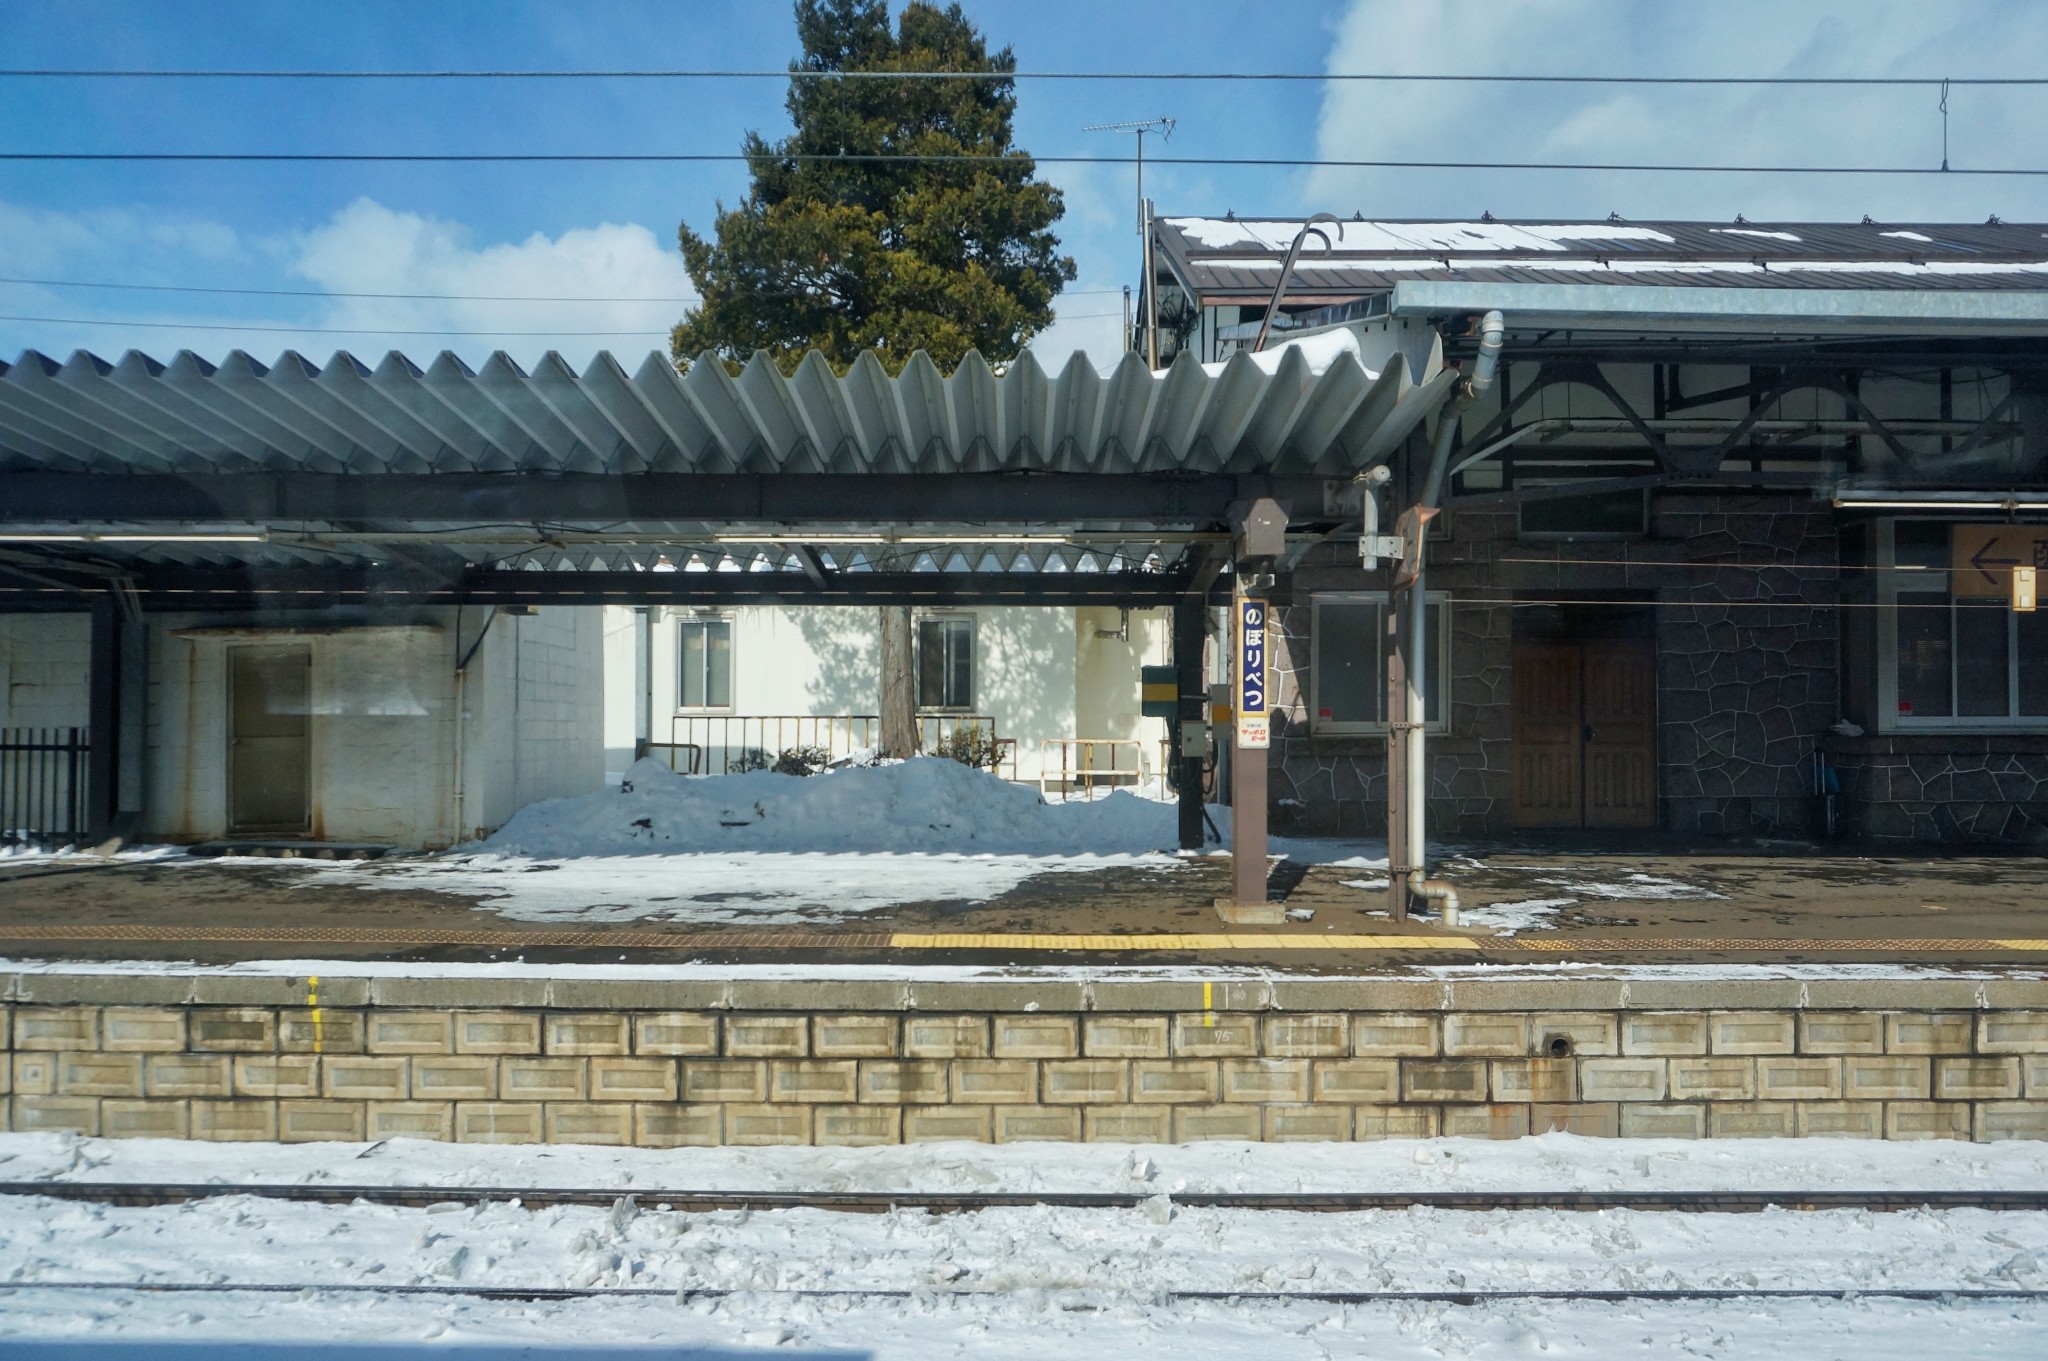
column 1140, row 126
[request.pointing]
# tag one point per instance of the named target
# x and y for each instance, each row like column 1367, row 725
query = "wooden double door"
column 1585, row 750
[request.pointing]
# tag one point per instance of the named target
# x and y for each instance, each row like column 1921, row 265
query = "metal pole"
column 1398, row 851
column 1151, row 294
column 103, row 756
column 1194, row 705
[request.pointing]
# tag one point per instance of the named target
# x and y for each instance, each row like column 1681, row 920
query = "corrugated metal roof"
column 190, row 416
column 1224, row 259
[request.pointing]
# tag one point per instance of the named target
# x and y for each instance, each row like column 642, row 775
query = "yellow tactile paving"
column 1199, row 942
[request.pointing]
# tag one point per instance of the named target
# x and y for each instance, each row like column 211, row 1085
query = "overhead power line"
column 388, row 330
column 630, row 158
column 1389, row 77
column 406, row 297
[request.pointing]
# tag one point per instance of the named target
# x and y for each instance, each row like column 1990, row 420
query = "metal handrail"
column 1077, row 761
column 724, row 740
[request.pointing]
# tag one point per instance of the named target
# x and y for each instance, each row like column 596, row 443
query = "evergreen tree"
column 895, row 256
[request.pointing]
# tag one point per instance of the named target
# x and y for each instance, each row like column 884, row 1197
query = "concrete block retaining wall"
column 694, row 1063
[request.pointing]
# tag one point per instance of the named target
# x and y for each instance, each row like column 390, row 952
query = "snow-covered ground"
column 1033, row 1282
column 768, row 849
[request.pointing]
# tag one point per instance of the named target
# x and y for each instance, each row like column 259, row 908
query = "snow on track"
column 1040, row 1281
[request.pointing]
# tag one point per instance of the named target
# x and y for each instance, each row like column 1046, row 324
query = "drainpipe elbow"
column 1436, row 891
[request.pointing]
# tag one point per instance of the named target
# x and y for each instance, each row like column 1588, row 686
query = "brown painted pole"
column 1249, row 699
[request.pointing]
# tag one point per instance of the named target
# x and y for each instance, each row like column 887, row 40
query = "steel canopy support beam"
column 238, row 588
column 1173, row 498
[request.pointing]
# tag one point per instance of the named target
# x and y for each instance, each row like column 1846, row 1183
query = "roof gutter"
column 1800, row 310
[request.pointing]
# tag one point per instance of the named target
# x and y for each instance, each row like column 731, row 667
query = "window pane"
column 1436, row 670
column 693, row 665
column 1983, row 671
column 960, row 664
column 2034, row 664
column 718, row 665
column 931, row 663
column 1924, row 656
column 1920, row 550
column 1350, row 683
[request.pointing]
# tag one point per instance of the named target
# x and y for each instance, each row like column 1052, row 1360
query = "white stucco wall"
column 1106, row 678
column 383, row 732
column 44, row 661
column 621, row 709
column 534, row 696
column 1040, row 671
column 381, row 737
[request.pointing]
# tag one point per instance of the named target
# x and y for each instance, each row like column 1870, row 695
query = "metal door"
column 269, row 756
column 1547, row 740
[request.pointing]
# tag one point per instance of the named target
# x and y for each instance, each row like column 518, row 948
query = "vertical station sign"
column 1252, row 731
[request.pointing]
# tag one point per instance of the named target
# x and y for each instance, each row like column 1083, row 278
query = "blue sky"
column 608, row 231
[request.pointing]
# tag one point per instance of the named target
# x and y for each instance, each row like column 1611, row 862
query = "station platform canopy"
column 198, row 484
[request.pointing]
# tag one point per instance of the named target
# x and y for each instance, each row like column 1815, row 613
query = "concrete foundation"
column 676, row 1062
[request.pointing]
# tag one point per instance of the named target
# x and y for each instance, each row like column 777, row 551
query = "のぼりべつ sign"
column 1252, row 731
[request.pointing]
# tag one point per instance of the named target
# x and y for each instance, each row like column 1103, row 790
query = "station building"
column 1728, row 547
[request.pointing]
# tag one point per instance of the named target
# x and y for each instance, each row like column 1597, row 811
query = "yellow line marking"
column 1218, row 940
column 1241, row 940
column 313, row 1001
column 1208, row 1003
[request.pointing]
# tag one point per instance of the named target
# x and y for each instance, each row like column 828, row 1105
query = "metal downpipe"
column 1485, row 366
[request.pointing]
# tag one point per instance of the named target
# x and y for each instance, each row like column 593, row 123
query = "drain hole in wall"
column 1558, row 1046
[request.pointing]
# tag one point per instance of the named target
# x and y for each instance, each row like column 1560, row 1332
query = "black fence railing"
column 722, row 744
column 42, row 785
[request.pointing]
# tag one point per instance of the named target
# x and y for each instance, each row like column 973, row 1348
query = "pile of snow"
column 928, row 805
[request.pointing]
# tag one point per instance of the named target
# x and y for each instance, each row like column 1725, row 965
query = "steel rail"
column 685, row 1293
column 961, row 1202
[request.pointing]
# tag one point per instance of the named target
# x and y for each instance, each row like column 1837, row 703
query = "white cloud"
column 1699, row 124
column 369, row 248
column 364, row 248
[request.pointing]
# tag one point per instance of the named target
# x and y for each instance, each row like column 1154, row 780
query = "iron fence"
column 42, row 785
column 723, row 744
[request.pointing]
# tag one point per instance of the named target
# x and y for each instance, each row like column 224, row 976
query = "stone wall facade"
column 1747, row 665
column 1952, row 790
column 595, row 1063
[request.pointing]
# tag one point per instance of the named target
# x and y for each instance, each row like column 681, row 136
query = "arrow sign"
column 1984, row 564
column 1981, row 557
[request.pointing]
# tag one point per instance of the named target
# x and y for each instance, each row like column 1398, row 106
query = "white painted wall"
column 1040, row 671
column 533, row 695
column 44, row 665
column 384, row 704
column 381, row 739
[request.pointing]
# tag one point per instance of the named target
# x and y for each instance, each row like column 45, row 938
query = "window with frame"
column 705, row 663
column 1952, row 661
column 945, row 662
column 1348, row 647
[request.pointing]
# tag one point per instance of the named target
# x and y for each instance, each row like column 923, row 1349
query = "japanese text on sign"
column 1982, row 557
column 1252, row 732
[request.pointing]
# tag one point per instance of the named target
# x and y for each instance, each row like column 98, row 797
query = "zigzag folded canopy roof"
column 446, row 471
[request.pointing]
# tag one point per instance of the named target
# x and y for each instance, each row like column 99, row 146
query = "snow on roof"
column 1396, row 236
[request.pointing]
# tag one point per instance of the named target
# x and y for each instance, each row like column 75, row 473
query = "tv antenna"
column 1163, row 127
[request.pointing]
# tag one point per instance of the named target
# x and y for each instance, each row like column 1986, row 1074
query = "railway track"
column 958, row 1202
column 1081, row 1298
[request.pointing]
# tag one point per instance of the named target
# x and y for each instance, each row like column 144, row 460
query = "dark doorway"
column 269, row 751
column 1585, row 714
